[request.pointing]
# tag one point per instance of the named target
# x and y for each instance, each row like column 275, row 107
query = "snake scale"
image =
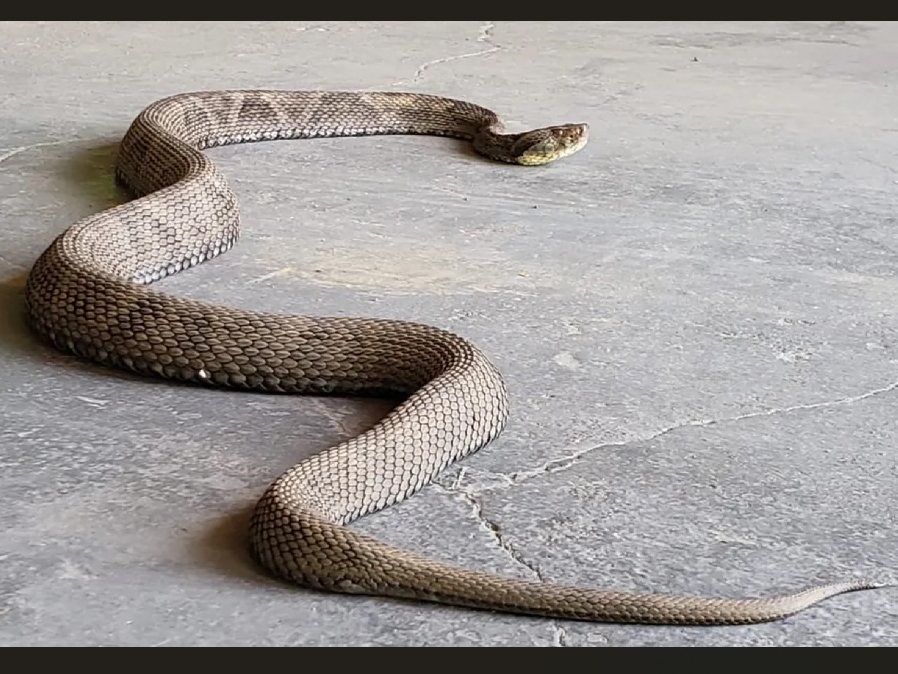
column 88, row 294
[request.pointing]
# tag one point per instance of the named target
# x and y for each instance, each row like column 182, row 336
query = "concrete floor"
column 697, row 317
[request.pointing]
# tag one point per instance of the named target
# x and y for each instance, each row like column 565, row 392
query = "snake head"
column 542, row 146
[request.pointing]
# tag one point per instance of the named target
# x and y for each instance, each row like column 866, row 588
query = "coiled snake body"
column 88, row 294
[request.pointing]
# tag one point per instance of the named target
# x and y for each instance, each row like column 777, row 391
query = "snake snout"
column 546, row 145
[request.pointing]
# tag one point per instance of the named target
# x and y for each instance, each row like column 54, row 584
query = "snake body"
column 88, row 294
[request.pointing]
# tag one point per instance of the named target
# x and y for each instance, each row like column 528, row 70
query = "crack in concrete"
column 12, row 265
column 492, row 528
column 18, row 150
column 470, row 494
column 559, row 635
column 322, row 27
column 485, row 36
column 554, row 465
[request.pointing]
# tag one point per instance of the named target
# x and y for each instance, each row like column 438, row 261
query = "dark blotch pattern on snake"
column 88, row 294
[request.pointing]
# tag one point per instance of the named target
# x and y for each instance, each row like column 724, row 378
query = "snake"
column 88, row 294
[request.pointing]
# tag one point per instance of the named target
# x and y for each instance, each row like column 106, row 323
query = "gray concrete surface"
column 696, row 316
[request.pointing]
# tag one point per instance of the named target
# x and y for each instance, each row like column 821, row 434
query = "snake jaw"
column 549, row 144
